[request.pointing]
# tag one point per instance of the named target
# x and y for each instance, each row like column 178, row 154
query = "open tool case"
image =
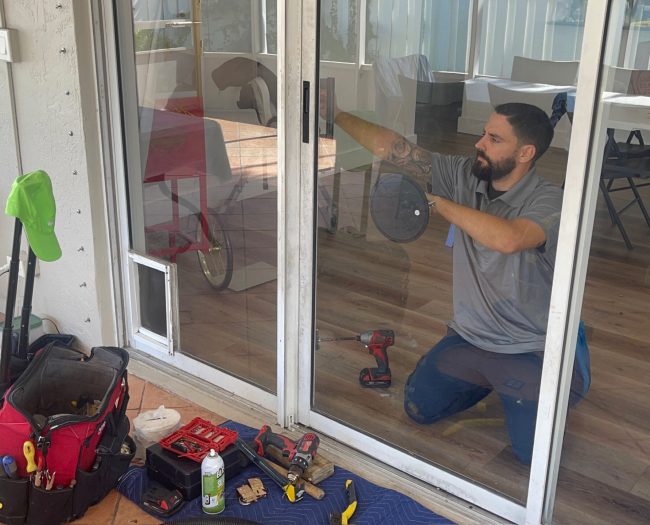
column 194, row 440
column 179, row 467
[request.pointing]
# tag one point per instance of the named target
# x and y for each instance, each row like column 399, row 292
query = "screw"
column 83, row 285
column 78, row 211
column 71, row 133
column 74, row 172
column 67, row 92
column 63, row 50
column 80, row 249
column 59, row 5
column 87, row 320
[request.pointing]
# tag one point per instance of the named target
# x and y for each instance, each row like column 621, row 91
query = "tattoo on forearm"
column 414, row 159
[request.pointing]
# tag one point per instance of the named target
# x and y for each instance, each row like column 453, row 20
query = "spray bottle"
column 213, row 485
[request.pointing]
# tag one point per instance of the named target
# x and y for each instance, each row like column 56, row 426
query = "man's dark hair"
column 530, row 124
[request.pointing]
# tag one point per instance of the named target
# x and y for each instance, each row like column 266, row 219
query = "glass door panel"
column 604, row 474
column 205, row 195
column 470, row 404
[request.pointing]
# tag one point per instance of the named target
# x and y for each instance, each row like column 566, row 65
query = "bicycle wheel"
column 216, row 260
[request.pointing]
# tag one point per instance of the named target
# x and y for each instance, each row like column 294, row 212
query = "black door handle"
column 305, row 112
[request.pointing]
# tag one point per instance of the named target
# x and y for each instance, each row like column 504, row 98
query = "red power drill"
column 300, row 453
column 377, row 342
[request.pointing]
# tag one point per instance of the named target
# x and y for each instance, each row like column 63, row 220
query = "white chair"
column 553, row 72
column 394, row 100
column 543, row 99
column 540, row 96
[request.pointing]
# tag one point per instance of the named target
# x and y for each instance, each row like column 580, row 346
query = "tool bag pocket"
column 13, row 500
column 114, row 455
column 47, row 507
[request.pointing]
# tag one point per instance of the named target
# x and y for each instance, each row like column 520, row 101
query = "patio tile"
column 153, row 397
column 102, row 513
column 128, row 513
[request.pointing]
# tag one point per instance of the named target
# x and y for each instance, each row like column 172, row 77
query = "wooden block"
column 311, row 489
column 320, row 468
column 257, row 486
column 246, row 494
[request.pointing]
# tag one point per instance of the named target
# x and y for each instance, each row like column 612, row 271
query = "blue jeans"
column 455, row 375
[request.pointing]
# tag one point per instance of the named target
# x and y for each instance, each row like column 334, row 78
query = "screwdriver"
column 28, row 451
column 9, row 466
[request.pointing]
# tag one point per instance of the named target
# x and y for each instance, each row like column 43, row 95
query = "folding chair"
column 624, row 162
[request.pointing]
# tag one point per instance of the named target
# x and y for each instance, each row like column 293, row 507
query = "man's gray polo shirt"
column 501, row 301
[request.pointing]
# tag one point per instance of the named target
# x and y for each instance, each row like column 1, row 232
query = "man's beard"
column 492, row 171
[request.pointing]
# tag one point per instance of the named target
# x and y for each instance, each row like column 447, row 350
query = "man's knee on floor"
column 524, row 452
column 412, row 410
column 419, row 408
column 414, row 406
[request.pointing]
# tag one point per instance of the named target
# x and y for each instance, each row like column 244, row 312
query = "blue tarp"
column 376, row 505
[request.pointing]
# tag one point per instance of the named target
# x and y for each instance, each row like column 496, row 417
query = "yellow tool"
column 344, row 517
column 28, row 450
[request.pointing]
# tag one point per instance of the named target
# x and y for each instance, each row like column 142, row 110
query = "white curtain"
column 635, row 51
column 437, row 29
column 541, row 29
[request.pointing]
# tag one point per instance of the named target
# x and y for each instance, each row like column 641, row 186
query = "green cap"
column 31, row 200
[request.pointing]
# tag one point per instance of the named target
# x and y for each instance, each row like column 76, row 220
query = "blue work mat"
column 376, row 505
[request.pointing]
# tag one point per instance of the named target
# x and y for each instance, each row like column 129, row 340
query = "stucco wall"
column 57, row 117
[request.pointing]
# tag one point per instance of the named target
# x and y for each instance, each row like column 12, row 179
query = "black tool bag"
column 88, row 449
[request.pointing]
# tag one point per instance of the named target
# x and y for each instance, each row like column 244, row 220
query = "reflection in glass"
column 604, row 474
column 468, row 304
column 205, row 196
column 226, row 26
column 161, row 24
column 339, row 30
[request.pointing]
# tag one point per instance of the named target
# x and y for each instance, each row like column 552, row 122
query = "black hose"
column 216, row 520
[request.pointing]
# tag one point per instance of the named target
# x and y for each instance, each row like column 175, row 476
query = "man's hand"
column 323, row 105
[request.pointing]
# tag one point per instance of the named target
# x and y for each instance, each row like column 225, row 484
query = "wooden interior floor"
column 365, row 282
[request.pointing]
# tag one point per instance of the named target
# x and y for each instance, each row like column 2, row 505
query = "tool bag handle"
column 5, row 356
column 114, row 418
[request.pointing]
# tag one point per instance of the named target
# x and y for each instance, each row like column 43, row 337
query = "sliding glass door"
column 610, row 427
column 403, row 104
column 200, row 91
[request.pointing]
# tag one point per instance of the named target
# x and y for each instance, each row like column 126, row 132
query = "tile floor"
column 115, row 509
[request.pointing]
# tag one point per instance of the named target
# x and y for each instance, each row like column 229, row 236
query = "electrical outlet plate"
column 8, row 45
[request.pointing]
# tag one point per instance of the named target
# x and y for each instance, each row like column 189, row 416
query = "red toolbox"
column 194, row 440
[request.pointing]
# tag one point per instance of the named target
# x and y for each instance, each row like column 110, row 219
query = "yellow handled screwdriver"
column 29, row 452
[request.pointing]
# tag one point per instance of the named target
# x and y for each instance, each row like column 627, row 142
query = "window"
column 339, row 30
column 227, row 26
column 233, row 26
column 436, row 29
column 162, row 24
column 548, row 30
